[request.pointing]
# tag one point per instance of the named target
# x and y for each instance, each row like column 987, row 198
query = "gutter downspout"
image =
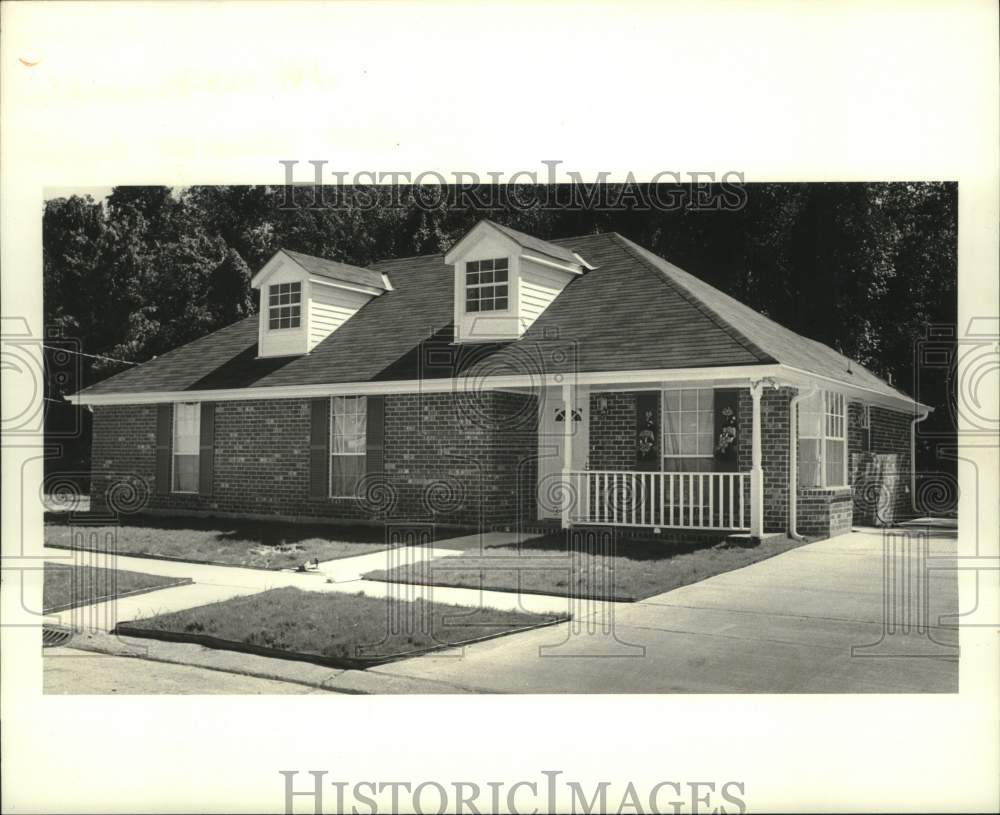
column 793, row 461
column 913, row 459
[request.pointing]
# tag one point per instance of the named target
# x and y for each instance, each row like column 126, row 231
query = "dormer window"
column 304, row 299
column 487, row 285
column 284, row 305
column 504, row 279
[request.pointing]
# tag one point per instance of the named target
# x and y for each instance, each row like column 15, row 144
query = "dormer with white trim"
column 304, row 299
column 504, row 280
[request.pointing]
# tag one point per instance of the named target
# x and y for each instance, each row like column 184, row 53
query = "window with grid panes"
column 186, row 446
column 348, row 447
column 487, row 285
column 284, row 305
column 688, row 422
column 822, row 440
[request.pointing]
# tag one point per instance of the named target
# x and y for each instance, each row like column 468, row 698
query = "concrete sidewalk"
column 809, row 620
column 213, row 584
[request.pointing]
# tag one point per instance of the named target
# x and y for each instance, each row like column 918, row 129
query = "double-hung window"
column 487, row 285
column 348, row 447
column 186, row 444
column 822, row 440
column 688, row 418
column 284, row 305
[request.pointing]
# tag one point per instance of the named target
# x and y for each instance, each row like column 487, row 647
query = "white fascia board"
column 268, row 268
column 612, row 379
column 798, row 376
column 552, row 264
column 460, row 248
column 732, row 376
column 337, row 284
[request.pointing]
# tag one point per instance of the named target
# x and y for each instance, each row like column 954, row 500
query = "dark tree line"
column 865, row 268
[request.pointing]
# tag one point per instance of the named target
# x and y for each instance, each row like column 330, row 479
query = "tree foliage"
column 864, row 268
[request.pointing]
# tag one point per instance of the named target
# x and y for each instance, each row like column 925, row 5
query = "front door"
column 551, row 434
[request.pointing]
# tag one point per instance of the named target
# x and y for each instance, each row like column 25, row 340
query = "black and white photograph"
column 533, row 405
column 399, row 445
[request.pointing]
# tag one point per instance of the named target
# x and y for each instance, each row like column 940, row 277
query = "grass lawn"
column 336, row 626
column 70, row 586
column 543, row 565
column 261, row 544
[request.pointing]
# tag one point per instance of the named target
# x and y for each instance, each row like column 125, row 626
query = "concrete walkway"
column 213, row 584
column 809, row 620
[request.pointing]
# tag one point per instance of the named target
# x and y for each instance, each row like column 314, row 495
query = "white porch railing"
column 660, row 499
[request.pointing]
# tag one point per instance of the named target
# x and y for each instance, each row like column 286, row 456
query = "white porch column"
column 756, row 467
column 567, row 452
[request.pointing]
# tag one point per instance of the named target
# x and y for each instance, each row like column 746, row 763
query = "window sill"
column 828, row 491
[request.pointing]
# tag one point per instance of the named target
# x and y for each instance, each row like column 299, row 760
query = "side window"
column 835, row 407
column 186, row 443
column 822, row 425
column 348, row 446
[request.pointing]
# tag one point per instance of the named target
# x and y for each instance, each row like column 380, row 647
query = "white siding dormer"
column 329, row 308
column 501, row 285
column 323, row 303
column 538, row 286
column 286, row 341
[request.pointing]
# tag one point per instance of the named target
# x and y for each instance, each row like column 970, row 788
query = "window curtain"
column 187, row 443
column 348, row 448
column 688, row 430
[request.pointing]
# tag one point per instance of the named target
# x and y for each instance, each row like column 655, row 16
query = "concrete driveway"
column 814, row 619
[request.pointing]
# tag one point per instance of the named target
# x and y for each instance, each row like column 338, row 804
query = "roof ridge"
column 629, row 246
column 582, row 236
column 404, row 257
column 320, row 257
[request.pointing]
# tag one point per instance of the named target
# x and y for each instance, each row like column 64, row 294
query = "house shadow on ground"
column 559, row 543
column 228, row 530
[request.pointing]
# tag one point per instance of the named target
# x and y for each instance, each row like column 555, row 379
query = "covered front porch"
column 686, row 454
column 660, row 500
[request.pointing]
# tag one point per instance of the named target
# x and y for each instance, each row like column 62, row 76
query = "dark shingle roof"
column 334, row 270
column 552, row 250
column 634, row 311
column 784, row 344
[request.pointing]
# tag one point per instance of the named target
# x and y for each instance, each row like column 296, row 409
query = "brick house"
column 509, row 382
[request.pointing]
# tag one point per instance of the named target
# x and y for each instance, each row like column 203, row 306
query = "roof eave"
column 896, row 401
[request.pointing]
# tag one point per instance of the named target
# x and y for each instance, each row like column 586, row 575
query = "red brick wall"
column 824, row 513
column 882, row 494
column 448, row 458
column 612, row 430
column 891, row 435
column 123, row 457
column 857, row 439
column 470, row 458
